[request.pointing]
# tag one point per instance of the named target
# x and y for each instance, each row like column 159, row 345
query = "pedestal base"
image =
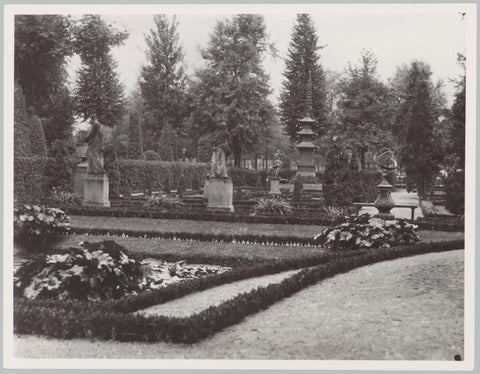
column 79, row 179
column 96, row 191
column 220, row 194
column 384, row 202
column 275, row 186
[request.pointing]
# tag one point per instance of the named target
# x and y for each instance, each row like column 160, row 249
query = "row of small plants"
column 114, row 320
column 356, row 232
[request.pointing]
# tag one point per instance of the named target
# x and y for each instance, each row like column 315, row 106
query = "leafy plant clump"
column 65, row 198
column 272, row 207
column 38, row 225
column 95, row 271
column 164, row 202
column 366, row 232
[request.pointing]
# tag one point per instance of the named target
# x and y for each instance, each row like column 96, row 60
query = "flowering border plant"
column 367, row 232
column 36, row 225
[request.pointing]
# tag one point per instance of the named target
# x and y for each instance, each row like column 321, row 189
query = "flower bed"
column 114, row 320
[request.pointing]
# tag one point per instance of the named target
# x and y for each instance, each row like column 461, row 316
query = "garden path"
column 400, row 196
column 407, row 309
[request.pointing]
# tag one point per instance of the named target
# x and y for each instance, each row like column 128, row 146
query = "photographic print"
column 239, row 186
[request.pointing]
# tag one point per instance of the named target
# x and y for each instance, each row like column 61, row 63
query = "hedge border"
column 66, row 322
column 240, row 218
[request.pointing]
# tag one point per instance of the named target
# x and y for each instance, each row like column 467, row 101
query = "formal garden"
column 118, row 239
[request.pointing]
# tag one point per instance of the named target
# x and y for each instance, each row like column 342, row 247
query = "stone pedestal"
column 275, row 186
column 205, row 188
column 220, row 194
column 384, row 202
column 96, row 191
column 79, row 179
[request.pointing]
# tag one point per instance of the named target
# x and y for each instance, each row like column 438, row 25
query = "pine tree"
column 420, row 155
column 234, row 86
column 302, row 61
column 167, row 144
column 38, row 145
column 363, row 109
column 99, row 94
column 162, row 80
column 135, row 148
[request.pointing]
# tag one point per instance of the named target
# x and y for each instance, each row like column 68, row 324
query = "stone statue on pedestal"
column 221, row 151
column 95, row 150
column 277, row 162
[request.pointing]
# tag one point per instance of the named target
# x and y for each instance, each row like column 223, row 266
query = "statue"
column 277, row 162
column 94, row 151
column 221, row 151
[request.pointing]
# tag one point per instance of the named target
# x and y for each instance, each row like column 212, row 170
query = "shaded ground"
column 406, row 309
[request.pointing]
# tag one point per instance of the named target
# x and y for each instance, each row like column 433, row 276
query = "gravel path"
column 199, row 301
column 407, row 309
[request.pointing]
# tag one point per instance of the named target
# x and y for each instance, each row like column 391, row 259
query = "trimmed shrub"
column 286, row 174
column 21, row 146
column 164, row 203
column 36, row 226
column 138, row 175
column 340, row 179
column 181, row 185
column 272, row 207
column 195, row 182
column 243, row 177
column 29, row 181
column 38, row 144
column 151, row 156
column 167, row 144
column 297, row 188
column 135, row 146
column 366, row 232
column 454, row 185
column 205, row 148
column 95, row 271
column 61, row 167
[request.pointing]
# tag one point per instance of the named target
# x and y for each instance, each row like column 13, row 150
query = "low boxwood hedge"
column 113, row 320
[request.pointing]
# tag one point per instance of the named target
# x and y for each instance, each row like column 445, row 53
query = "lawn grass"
column 225, row 251
column 193, row 226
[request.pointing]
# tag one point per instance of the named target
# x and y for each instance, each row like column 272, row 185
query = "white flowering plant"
column 94, row 271
column 164, row 202
column 367, row 232
column 38, row 225
column 272, row 207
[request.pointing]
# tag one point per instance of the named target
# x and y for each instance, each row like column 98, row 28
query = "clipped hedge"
column 246, row 177
column 140, row 175
column 113, row 320
column 30, row 179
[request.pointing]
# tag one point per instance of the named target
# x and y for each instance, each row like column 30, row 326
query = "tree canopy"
column 234, row 86
column 99, row 95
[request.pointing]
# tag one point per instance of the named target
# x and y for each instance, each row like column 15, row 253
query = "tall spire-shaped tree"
column 303, row 60
column 162, row 79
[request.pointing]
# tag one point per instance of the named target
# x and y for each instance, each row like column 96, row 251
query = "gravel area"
column 406, row 309
column 199, row 301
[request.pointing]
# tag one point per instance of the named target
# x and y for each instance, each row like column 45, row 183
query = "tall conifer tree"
column 303, row 60
column 135, row 147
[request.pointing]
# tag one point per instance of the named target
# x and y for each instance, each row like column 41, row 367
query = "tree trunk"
column 255, row 165
column 237, row 153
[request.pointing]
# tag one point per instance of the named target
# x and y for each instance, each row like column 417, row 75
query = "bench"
column 412, row 207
